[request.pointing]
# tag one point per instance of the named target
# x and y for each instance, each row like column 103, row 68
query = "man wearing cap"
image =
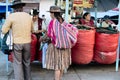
column 37, row 22
column 21, row 25
column 37, row 29
column 107, row 22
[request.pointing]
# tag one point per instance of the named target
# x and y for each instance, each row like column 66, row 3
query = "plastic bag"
column 105, row 57
column 82, row 52
column 106, row 42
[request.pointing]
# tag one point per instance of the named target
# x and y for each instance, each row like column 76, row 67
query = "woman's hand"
column 44, row 31
column 39, row 31
column 92, row 28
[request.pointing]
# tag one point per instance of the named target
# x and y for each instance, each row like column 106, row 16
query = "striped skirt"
column 57, row 59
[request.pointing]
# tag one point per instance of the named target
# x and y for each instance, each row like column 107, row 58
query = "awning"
column 104, row 5
column 102, row 14
column 3, row 7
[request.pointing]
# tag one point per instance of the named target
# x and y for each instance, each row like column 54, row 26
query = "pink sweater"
column 50, row 32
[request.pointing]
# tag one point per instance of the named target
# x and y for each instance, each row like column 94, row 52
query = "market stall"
column 75, row 10
column 116, row 53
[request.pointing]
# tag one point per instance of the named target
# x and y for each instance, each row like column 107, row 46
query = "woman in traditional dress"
column 57, row 58
column 87, row 21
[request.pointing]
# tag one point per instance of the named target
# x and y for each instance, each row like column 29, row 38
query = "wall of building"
column 29, row 6
column 31, row 1
column 44, row 7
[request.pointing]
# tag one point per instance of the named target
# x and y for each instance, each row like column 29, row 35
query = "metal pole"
column 7, row 8
column 95, row 12
column 6, row 17
column 61, row 3
column 58, row 3
column 117, row 59
column 66, row 19
column 66, row 10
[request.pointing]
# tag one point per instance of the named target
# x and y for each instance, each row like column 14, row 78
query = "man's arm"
column 32, row 27
column 6, row 26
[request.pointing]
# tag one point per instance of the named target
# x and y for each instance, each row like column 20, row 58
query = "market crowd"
column 55, row 40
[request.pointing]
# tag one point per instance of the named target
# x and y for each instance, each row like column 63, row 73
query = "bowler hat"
column 55, row 9
column 106, row 17
column 35, row 12
column 17, row 3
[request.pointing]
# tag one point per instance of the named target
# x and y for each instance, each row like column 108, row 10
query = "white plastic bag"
column 9, row 40
column 44, row 49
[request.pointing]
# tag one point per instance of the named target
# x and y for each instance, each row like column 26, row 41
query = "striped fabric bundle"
column 66, row 34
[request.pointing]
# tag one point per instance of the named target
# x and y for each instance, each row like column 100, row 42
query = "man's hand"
column 39, row 31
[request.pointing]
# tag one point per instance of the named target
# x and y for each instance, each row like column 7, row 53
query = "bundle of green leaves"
column 108, row 30
column 83, row 27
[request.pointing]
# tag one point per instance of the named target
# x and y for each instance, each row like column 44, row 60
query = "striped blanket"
column 66, row 34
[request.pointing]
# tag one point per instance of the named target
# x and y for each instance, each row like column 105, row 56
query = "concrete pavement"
column 75, row 72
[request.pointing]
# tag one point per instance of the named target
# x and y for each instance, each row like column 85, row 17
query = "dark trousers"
column 21, row 62
column 38, row 46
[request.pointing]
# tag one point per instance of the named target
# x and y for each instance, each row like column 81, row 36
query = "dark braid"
column 85, row 14
column 58, row 16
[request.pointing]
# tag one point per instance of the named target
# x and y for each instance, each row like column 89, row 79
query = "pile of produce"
column 106, row 43
column 82, row 52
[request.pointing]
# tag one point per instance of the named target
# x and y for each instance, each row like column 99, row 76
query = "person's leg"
column 17, row 63
column 37, row 47
column 61, row 73
column 26, row 61
column 57, row 74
